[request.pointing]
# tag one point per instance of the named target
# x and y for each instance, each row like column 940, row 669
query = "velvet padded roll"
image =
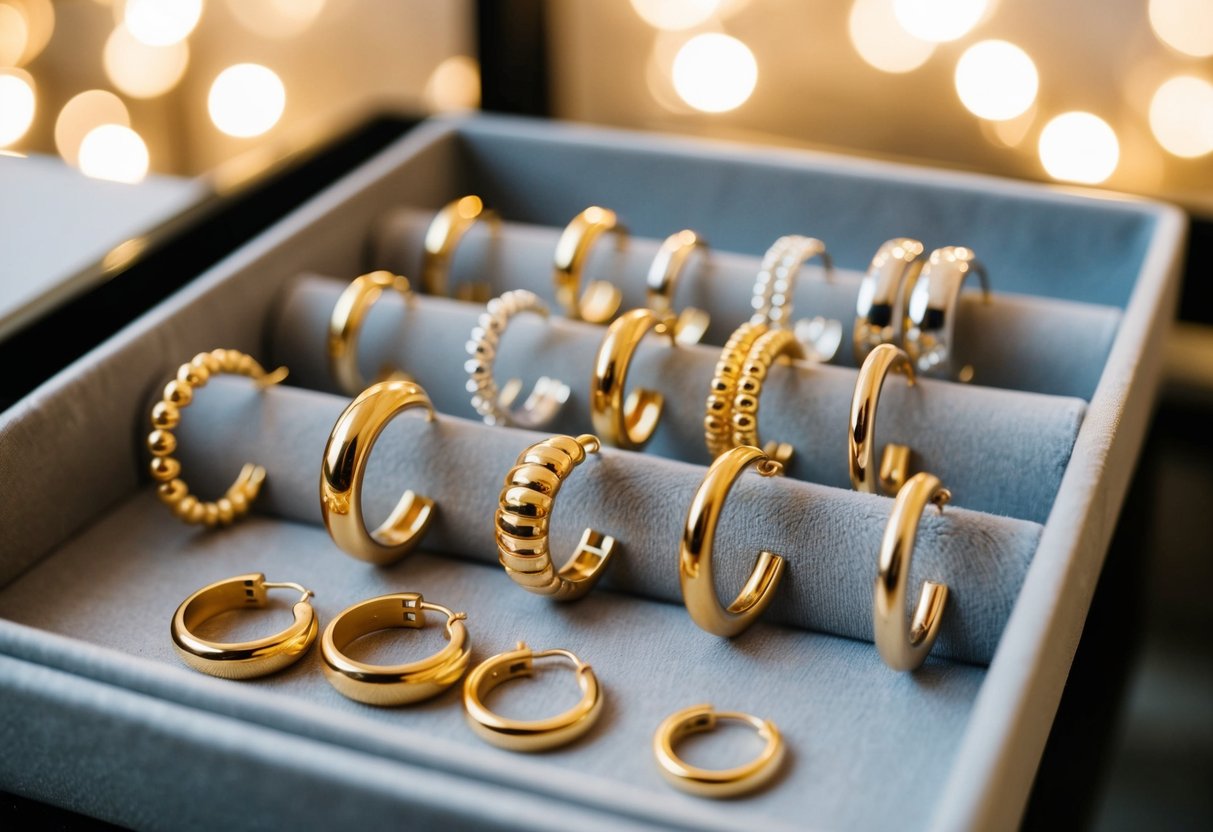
column 999, row 451
column 1017, row 342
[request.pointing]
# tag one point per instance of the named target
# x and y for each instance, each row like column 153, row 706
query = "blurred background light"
column 881, row 41
column 278, row 19
column 161, row 22
column 996, row 80
column 114, row 152
column 140, row 70
column 675, row 15
column 453, row 85
column 715, row 73
column 1184, row 25
column 246, row 100
column 83, row 113
column 39, row 25
column 1181, row 116
column 14, row 35
column 939, row 21
column 1079, row 147
column 18, row 103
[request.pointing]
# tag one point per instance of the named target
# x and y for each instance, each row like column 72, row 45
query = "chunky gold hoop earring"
column 344, row 465
column 861, row 438
column 166, row 415
column 245, row 659
column 396, row 684
column 880, row 306
column 773, row 289
column 715, row 782
column 698, row 538
column 906, row 647
column 601, row 298
column 524, row 515
column 662, row 282
column 345, row 325
column 772, row 345
column 930, row 320
column 495, row 406
column 626, row 422
column 718, row 409
column 442, row 236
column 533, row 735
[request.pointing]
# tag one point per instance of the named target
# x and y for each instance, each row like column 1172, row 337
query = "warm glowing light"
column 715, row 73
column 18, row 102
column 246, row 100
column 939, row 21
column 81, row 114
column 1079, row 147
column 675, row 15
column 14, row 35
column 278, row 19
column 454, row 85
column 996, row 80
column 161, row 22
column 38, row 24
column 113, row 152
column 1181, row 116
column 1184, row 25
column 881, row 42
column 143, row 71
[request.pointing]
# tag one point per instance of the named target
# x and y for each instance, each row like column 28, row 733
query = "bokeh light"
column 1181, row 116
column 14, row 35
column 675, row 15
column 1184, row 25
column 161, row 22
column 454, row 85
column 996, row 80
column 246, row 100
column 39, row 24
column 18, row 103
column 143, row 71
column 279, row 19
column 881, row 42
column 83, row 113
column 1079, row 147
column 114, row 152
column 939, row 21
column 714, row 73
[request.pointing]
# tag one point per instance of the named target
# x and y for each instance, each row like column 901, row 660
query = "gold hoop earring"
column 397, row 684
column 524, row 515
column 442, row 236
column 880, row 305
column 695, row 551
column 662, row 282
column 715, row 782
column 861, row 438
column 771, row 346
column 245, row 659
column 718, row 409
column 166, row 415
column 930, row 319
column 346, row 455
column 626, row 422
column 773, row 290
column 906, row 647
column 345, row 325
column 535, row 735
column 601, row 298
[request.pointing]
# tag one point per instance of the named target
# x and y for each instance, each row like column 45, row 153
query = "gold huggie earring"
column 536, row 735
column 718, row 409
column 698, row 538
column 880, row 306
column 524, row 515
column 601, row 298
column 393, row 684
column 773, row 288
column 930, row 319
column 245, row 659
column 626, row 422
column 715, row 782
column 662, row 283
column 861, row 438
column 445, row 231
column 772, row 345
column 166, row 415
column 548, row 394
column 346, row 455
column 902, row 647
column 345, row 326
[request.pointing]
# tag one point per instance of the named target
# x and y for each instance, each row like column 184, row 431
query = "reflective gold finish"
column 698, row 538
column 626, row 422
column 533, row 735
column 345, row 325
column 704, row 782
column 524, row 515
column 662, row 283
column 906, row 647
column 772, row 345
column 930, row 318
column 244, row 659
column 861, row 438
column 880, row 306
column 718, row 409
column 601, row 299
column 442, row 237
column 774, row 287
column 397, row 684
column 161, row 442
column 344, row 465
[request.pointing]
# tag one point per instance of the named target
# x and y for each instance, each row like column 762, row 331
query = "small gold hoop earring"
column 345, row 325
column 902, row 646
column 601, row 298
column 718, row 408
column 930, row 319
column 771, row 346
column 880, row 306
column 626, row 421
column 533, row 735
column 524, row 515
column 344, row 466
column 695, row 551
column 662, row 282
column 715, row 782
column 245, row 659
column 166, row 415
column 861, row 438
column 773, row 291
column 442, row 236
column 397, row 684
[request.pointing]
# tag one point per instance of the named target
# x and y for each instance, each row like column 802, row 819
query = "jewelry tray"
column 101, row 717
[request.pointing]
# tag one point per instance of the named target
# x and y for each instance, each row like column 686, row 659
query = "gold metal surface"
column 880, row 305
column 662, row 282
column 601, row 299
column 626, row 421
column 861, row 436
column 345, row 325
column 718, row 409
column 930, row 312
column 442, row 236
column 771, row 346
column 715, row 783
